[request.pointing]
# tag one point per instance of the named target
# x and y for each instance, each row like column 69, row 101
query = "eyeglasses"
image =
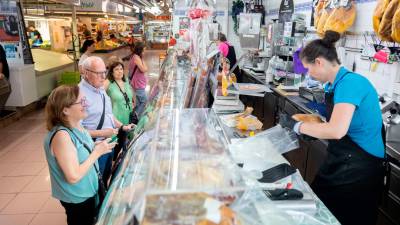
column 99, row 74
column 83, row 102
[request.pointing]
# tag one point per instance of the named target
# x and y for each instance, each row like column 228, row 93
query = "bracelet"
column 296, row 127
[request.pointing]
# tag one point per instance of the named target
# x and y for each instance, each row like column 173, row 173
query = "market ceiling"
column 43, row 3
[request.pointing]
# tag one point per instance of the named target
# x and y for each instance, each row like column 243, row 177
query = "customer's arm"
column 108, row 132
column 64, row 151
column 140, row 64
column 125, row 127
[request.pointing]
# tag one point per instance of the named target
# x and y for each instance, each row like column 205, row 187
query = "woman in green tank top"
column 72, row 156
column 120, row 92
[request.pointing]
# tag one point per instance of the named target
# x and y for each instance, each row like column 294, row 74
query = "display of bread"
column 396, row 25
column 385, row 27
column 308, row 118
column 380, row 8
column 184, row 209
column 318, row 6
column 341, row 18
column 326, row 12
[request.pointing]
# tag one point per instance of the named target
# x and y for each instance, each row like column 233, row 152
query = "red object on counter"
column 381, row 56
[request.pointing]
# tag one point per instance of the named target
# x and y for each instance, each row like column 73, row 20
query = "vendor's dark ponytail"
column 322, row 48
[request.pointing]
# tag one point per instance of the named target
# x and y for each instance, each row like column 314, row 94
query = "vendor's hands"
column 103, row 147
column 2, row 76
column 286, row 121
column 109, row 132
column 128, row 127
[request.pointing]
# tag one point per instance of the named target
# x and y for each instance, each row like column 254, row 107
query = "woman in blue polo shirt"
column 351, row 179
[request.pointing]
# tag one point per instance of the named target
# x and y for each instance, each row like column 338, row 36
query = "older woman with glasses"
column 72, row 155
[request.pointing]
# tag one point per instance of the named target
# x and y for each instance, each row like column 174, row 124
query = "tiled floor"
column 25, row 197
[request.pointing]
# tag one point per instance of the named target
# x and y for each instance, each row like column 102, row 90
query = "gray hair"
column 87, row 64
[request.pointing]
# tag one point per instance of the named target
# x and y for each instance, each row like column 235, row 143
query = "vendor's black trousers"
column 83, row 213
column 354, row 203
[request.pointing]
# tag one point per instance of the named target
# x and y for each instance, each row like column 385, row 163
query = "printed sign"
column 286, row 11
column 10, row 50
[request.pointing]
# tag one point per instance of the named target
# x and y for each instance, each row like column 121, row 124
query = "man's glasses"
column 99, row 74
column 83, row 102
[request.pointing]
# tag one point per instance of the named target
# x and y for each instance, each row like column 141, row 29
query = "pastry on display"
column 191, row 174
column 308, row 118
column 186, row 209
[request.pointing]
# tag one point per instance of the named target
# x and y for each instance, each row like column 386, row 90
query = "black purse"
column 133, row 117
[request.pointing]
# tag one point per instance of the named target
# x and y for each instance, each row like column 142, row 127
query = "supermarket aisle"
column 25, row 197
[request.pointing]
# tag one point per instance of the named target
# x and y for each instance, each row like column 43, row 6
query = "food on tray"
column 246, row 113
column 191, row 174
column 249, row 123
column 309, row 118
column 228, row 217
column 185, row 209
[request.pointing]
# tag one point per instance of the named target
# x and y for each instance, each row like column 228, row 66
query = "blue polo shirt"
column 366, row 124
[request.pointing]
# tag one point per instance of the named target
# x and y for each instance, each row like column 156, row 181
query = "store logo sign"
column 87, row 5
column 91, row 5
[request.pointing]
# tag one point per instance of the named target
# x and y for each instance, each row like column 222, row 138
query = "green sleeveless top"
column 87, row 187
column 121, row 110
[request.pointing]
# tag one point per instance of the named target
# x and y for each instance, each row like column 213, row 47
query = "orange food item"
column 309, row 118
column 341, row 18
column 326, row 12
column 396, row 25
column 385, row 27
column 380, row 8
column 318, row 11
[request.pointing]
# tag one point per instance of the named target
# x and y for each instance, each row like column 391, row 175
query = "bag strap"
column 99, row 175
column 100, row 125
column 133, row 72
column 125, row 96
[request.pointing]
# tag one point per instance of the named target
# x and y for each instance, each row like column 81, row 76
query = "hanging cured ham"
column 318, row 8
column 342, row 17
column 380, row 8
column 396, row 25
column 385, row 27
column 326, row 11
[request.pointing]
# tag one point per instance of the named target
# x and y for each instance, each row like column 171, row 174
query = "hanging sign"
column 286, row 11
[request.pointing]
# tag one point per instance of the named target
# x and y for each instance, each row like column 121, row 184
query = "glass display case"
column 179, row 168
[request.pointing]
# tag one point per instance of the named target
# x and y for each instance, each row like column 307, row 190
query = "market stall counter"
column 180, row 167
column 49, row 65
column 311, row 154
